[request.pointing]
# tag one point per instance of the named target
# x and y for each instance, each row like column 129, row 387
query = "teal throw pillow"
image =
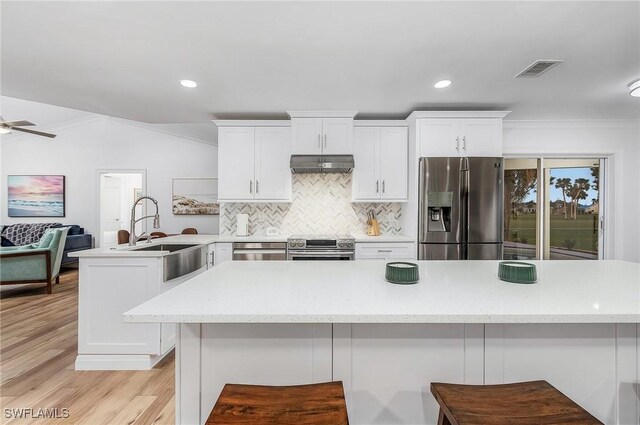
column 46, row 239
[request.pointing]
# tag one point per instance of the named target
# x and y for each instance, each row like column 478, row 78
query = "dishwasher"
column 259, row 251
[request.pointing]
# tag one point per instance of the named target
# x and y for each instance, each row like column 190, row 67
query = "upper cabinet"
column 381, row 158
column 328, row 133
column 253, row 163
column 475, row 133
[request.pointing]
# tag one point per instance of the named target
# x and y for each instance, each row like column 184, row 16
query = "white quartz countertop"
column 129, row 251
column 356, row 292
column 125, row 250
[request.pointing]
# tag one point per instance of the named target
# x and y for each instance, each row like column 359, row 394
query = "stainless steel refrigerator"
column 460, row 209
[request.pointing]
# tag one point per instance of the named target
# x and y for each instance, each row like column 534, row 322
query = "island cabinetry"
column 328, row 133
column 108, row 287
column 473, row 133
column 253, row 163
column 385, row 251
column 381, row 158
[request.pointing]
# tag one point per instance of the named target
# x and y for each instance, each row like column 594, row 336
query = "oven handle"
column 259, row 251
column 319, row 253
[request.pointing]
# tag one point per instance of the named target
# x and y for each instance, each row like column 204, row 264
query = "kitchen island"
column 283, row 323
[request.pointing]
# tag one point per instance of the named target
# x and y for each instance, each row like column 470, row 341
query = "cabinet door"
column 366, row 155
column 337, row 136
column 306, row 136
column 236, row 163
column 385, row 251
column 481, row 137
column 273, row 174
column 437, row 137
column 224, row 252
column 394, row 156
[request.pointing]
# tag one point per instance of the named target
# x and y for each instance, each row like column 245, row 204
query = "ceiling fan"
column 9, row 126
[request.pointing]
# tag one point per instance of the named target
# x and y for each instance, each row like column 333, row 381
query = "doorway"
column 117, row 191
column 554, row 208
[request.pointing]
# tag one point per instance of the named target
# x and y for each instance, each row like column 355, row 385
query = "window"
column 558, row 220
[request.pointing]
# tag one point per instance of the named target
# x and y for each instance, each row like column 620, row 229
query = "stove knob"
column 350, row 244
column 341, row 244
column 301, row 244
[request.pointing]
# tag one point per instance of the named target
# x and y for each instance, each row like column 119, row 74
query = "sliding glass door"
column 553, row 208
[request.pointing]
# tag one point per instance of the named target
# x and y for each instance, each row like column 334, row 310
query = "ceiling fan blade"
column 21, row 123
column 38, row 133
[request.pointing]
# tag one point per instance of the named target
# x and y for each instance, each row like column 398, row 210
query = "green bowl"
column 402, row 273
column 517, row 272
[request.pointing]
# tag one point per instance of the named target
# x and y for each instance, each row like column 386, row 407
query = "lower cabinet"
column 223, row 252
column 110, row 286
column 385, row 251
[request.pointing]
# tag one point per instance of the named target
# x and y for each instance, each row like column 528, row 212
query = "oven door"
column 320, row 255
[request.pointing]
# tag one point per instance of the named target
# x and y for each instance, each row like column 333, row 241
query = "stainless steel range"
column 321, row 247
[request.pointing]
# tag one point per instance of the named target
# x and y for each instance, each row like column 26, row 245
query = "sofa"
column 27, row 233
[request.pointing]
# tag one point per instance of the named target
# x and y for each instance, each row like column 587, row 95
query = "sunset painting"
column 35, row 196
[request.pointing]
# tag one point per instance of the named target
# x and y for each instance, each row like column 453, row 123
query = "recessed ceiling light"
column 442, row 84
column 188, row 83
column 634, row 88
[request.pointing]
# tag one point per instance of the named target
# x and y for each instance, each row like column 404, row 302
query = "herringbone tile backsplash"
column 321, row 204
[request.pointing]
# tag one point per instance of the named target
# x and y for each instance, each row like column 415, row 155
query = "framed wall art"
column 196, row 196
column 36, row 196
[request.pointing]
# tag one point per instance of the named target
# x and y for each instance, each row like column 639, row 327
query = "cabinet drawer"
column 385, row 251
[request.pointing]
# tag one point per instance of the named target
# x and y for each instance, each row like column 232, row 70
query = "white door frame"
column 606, row 236
column 99, row 173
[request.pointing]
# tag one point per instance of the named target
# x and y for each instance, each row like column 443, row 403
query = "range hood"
column 307, row 164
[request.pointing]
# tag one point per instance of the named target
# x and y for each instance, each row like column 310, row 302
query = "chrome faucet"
column 132, row 227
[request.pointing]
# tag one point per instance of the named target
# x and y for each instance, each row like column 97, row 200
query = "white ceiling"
column 259, row 59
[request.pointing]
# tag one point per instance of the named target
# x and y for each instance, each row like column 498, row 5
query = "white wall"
column 95, row 142
column 619, row 141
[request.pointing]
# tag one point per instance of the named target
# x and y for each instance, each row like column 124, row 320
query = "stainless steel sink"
column 183, row 258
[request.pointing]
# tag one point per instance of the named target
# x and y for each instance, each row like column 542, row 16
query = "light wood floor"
column 38, row 346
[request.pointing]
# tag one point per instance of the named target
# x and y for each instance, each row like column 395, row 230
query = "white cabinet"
column 385, row 251
column 460, row 136
column 224, row 252
column 381, row 157
column 110, row 286
column 329, row 136
column 253, row 163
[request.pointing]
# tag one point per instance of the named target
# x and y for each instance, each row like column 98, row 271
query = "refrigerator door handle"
column 458, row 144
column 464, row 207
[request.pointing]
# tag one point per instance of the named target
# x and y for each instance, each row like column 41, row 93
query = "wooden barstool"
column 315, row 404
column 522, row 403
column 190, row 231
column 123, row 237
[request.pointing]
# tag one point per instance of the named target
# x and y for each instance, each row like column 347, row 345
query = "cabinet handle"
column 464, row 143
column 257, row 187
column 385, row 250
column 383, row 186
column 458, row 144
column 318, row 141
column 250, row 186
column 377, row 186
column 325, row 140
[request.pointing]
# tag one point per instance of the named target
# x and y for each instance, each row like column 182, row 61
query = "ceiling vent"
column 538, row 68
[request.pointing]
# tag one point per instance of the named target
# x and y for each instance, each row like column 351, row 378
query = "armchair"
column 38, row 262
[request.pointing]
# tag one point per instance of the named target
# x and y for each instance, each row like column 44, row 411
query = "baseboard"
column 116, row 361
